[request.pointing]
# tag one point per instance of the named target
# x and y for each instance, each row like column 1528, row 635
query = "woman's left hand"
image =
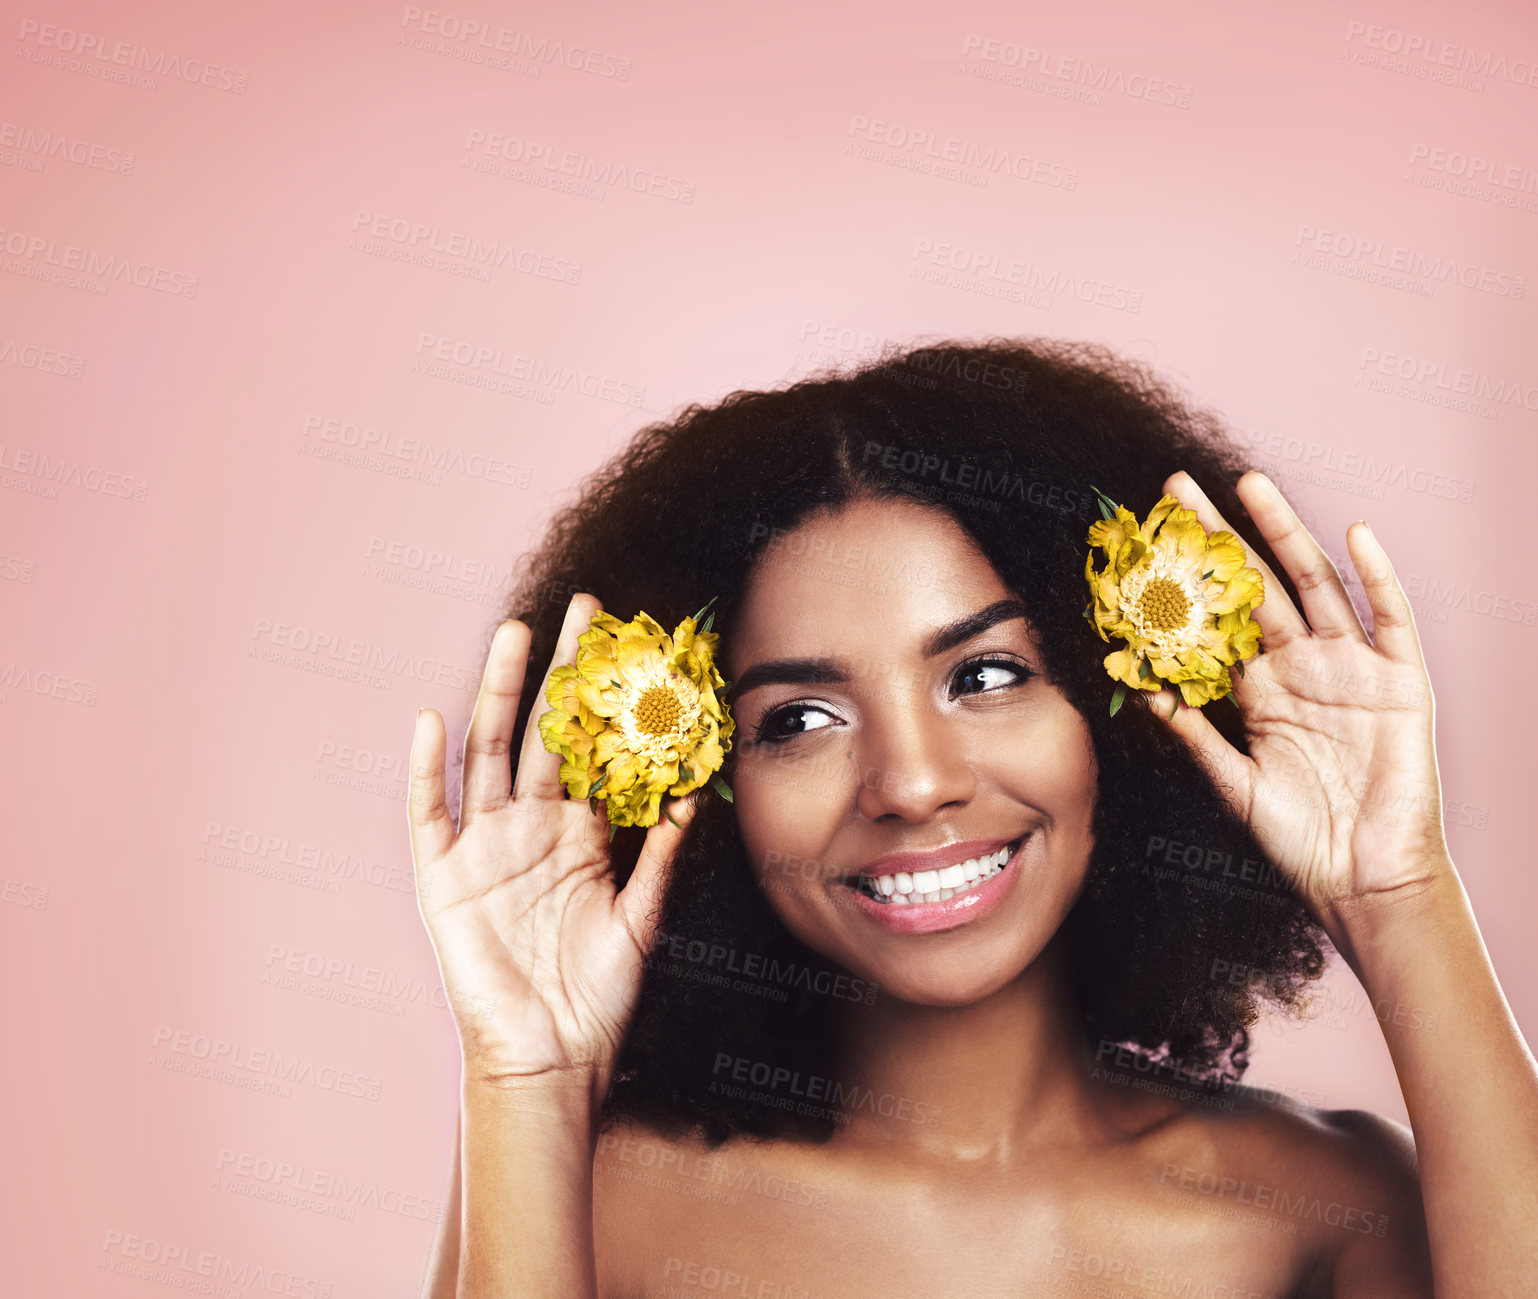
column 1340, row 785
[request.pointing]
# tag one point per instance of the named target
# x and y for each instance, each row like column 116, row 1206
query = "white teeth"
column 904, row 888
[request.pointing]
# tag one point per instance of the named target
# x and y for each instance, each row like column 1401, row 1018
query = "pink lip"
column 963, row 908
column 934, row 859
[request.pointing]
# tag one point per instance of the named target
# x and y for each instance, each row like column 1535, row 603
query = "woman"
column 725, row 1057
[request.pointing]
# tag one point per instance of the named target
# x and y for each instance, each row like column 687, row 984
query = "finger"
column 1393, row 622
column 427, row 811
column 1279, row 620
column 640, row 901
column 539, row 770
column 487, row 783
column 1326, row 605
column 1231, row 771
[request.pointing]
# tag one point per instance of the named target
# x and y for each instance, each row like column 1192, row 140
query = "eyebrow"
column 826, row 671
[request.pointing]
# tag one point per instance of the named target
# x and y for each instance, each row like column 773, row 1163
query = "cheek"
column 1051, row 754
column 787, row 814
column 787, row 804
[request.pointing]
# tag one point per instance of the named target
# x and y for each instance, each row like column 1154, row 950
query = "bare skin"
column 1029, row 1173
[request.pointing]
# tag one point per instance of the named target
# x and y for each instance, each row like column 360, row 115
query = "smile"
column 904, row 889
column 947, row 898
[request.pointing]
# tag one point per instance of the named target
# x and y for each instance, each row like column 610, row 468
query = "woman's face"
column 882, row 716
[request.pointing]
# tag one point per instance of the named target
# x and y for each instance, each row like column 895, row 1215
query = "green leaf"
column 709, row 622
column 1208, row 573
column 1239, row 663
column 612, row 829
column 1117, row 697
column 669, row 815
column 1143, row 670
column 721, row 787
column 1107, row 505
column 1176, row 704
column 703, row 607
column 598, row 784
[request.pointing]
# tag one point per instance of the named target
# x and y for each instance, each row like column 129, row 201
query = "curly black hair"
column 1184, row 926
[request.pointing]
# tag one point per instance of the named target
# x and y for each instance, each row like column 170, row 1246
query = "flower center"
column 657, row 711
column 1164, row 605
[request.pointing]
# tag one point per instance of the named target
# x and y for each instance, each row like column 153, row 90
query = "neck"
column 981, row 1082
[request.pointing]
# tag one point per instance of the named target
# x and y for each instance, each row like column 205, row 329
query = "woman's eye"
column 782, row 723
column 993, row 673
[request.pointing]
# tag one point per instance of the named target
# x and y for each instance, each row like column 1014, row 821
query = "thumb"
column 640, row 901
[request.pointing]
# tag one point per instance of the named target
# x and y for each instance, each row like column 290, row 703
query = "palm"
column 540, row 960
column 540, row 955
column 1340, row 784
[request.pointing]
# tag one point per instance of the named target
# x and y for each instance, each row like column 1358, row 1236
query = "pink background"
column 200, row 524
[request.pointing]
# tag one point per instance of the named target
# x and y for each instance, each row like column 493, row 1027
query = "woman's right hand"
column 540, row 956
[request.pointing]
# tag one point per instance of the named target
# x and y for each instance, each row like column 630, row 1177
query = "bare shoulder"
column 1344, row 1182
column 666, row 1205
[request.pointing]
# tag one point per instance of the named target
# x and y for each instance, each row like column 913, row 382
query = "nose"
column 912, row 765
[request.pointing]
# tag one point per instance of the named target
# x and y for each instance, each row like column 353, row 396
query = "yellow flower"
column 1179, row 598
column 638, row 716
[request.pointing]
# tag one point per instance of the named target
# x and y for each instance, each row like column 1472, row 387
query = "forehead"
column 884, row 571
